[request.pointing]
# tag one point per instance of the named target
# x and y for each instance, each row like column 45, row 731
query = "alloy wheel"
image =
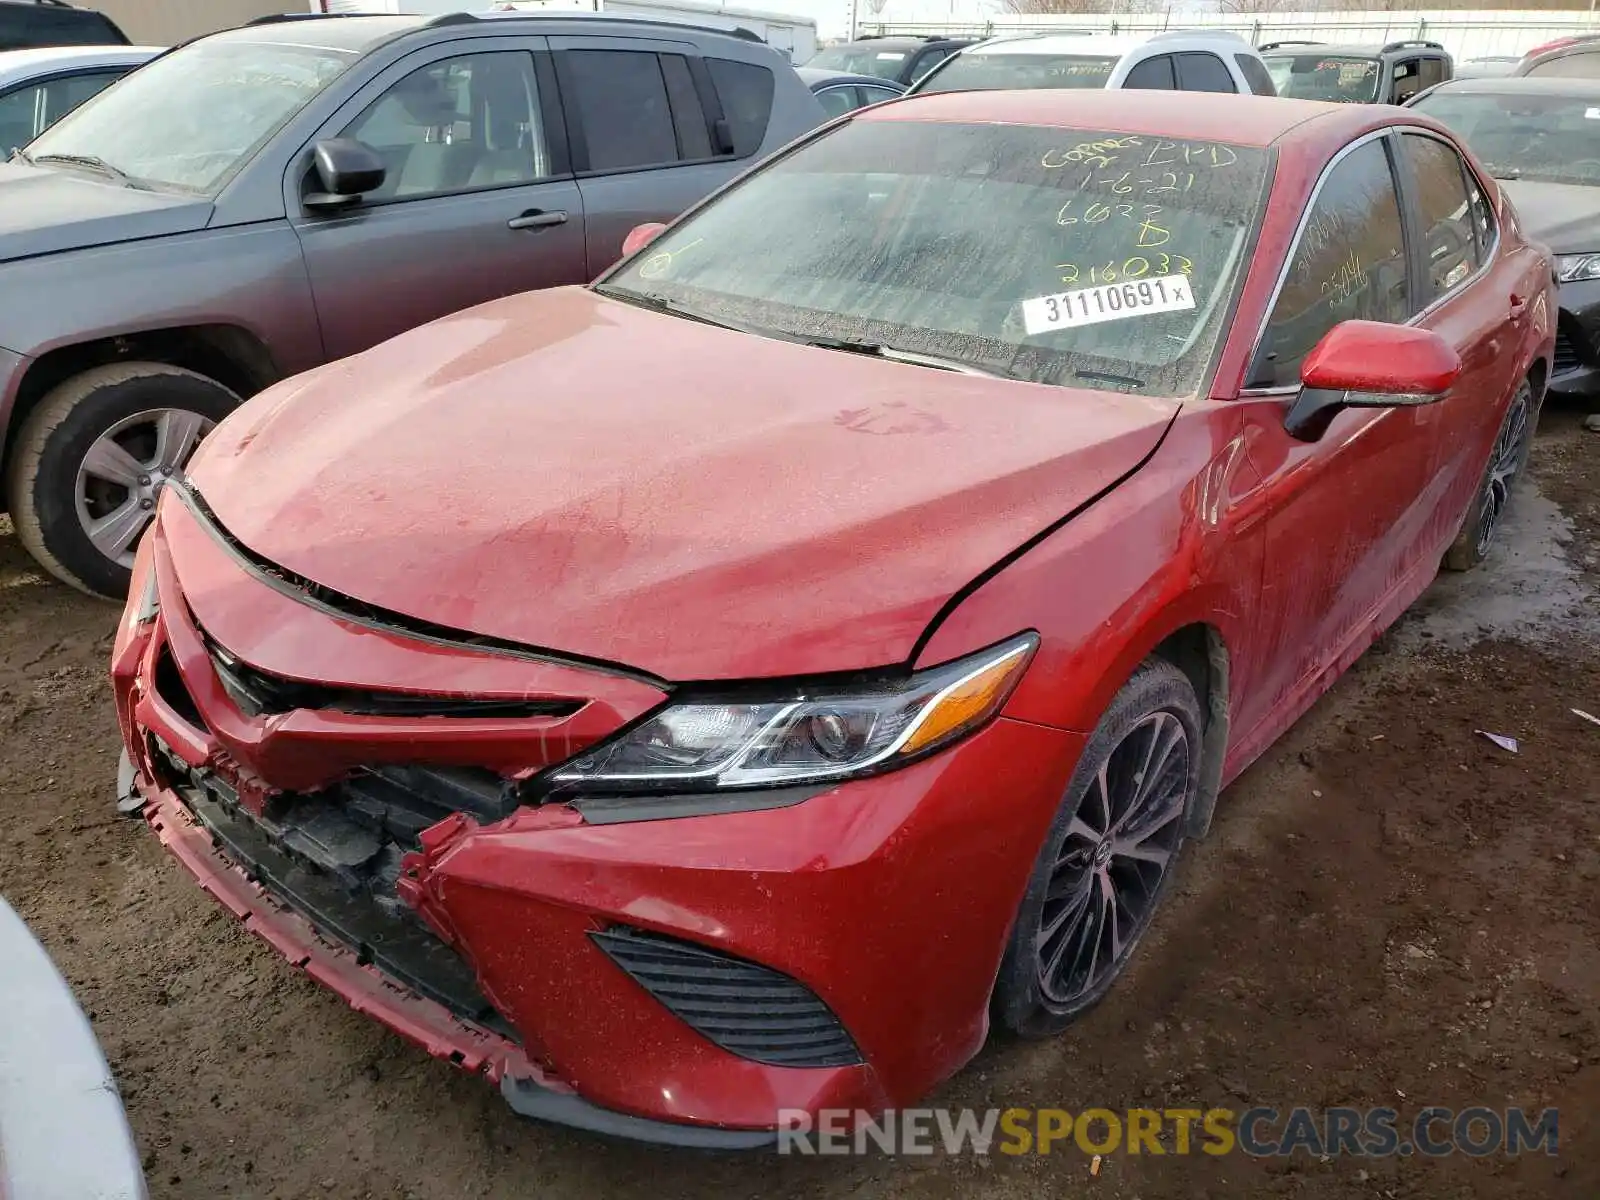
column 1111, row 863
column 1504, row 462
column 124, row 471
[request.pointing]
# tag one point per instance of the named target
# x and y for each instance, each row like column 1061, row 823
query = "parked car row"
column 552, row 667
column 963, row 492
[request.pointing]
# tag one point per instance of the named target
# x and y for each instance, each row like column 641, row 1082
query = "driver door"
column 1345, row 514
column 478, row 203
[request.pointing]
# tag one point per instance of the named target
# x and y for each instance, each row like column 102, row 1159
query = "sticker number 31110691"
column 1110, row 302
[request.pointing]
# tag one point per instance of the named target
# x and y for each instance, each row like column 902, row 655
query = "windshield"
column 1058, row 256
column 191, row 119
column 1549, row 139
column 987, row 72
column 1331, row 77
column 862, row 60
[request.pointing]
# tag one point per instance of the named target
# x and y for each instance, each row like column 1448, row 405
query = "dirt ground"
column 1390, row 911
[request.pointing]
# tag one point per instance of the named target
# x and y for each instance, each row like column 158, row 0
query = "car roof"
column 815, row 77
column 1363, row 49
column 1191, row 116
column 899, row 42
column 1111, row 45
column 25, row 64
column 354, row 34
column 1578, row 89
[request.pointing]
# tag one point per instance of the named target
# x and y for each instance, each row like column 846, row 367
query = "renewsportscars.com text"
column 1258, row 1132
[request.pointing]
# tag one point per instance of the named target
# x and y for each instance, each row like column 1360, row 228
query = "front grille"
column 334, row 856
column 258, row 693
column 1566, row 355
column 747, row 1009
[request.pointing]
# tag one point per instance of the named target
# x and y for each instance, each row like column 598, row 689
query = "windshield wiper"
column 95, row 163
column 892, row 354
column 1110, row 377
column 663, row 305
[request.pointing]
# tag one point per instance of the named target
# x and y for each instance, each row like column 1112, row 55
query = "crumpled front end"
column 358, row 794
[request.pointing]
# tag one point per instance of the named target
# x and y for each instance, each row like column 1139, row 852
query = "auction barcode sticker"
column 1109, row 302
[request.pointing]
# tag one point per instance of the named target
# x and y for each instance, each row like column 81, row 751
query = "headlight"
column 1572, row 267
column 817, row 734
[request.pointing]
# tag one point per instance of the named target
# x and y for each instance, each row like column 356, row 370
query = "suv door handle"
column 537, row 219
column 1518, row 307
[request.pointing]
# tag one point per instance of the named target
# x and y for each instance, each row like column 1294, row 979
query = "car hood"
column 577, row 474
column 1565, row 216
column 45, row 211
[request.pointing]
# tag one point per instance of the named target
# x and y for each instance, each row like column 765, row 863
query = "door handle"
column 537, row 219
column 1519, row 306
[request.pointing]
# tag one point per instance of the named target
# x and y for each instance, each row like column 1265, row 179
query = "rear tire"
column 1108, row 857
column 82, row 516
column 1509, row 456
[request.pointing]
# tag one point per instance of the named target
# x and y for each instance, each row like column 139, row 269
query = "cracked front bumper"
column 881, row 904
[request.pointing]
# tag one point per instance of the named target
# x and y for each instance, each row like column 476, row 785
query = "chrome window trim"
column 1305, row 219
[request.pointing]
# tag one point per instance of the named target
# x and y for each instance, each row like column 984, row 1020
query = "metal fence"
column 1465, row 33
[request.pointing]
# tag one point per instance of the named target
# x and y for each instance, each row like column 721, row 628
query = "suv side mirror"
column 1369, row 364
column 347, row 170
column 641, row 236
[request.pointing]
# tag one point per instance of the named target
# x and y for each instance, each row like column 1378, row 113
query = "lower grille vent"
column 747, row 1009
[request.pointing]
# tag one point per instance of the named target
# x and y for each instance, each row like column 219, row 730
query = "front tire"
column 90, row 460
column 1108, row 857
column 1508, row 458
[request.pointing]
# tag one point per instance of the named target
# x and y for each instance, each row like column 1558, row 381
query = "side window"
column 688, row 117
column 64, row 95
column 1483, row 217
column 21, row 117
column 746, row 93
column 1151, row 73
column 1204, row 73
column 876, row 95
column 1429, row 72
column 1568, row 66
column 456, row 125
column 1449, row 244
column 1407, row 82
column 927, row 62
column 836, row 101
column 1350, row 264
column 621, row 98
column 1256, row 75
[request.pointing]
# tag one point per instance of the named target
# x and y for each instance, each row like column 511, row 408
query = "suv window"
column 1406, row 82
column 28, row 111
column 1203, row 73
column 452, row 126
column 36, row 25
column 1449, row 246
column 1350, row 264
column 745, row 90
column 621, row 98
column 927, row 61
column 1430, row 72
column 1255, row 74
column 1151, row 73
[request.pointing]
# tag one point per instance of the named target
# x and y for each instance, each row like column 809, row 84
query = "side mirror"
column 347, row 170
column 641, row 236
column 1369, row 364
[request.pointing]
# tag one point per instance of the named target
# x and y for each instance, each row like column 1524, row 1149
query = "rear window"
column 1073, row 257
column 1340, row 79
column 858, row 59
column 988, row 72
column 746, row 93
column 1256, row 75
column 1584, row 65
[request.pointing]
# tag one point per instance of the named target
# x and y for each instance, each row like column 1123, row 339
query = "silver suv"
column 264, row 200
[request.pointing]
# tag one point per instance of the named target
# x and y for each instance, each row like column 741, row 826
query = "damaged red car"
column 736, row 685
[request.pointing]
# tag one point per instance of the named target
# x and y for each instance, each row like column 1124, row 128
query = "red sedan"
column 732, row 686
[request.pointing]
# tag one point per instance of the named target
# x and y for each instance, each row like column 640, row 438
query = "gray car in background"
column 263, row 200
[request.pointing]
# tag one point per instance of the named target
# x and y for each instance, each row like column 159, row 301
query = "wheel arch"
column 228, row 354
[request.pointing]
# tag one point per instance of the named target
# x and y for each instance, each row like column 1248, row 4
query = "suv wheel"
column 91, row 459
